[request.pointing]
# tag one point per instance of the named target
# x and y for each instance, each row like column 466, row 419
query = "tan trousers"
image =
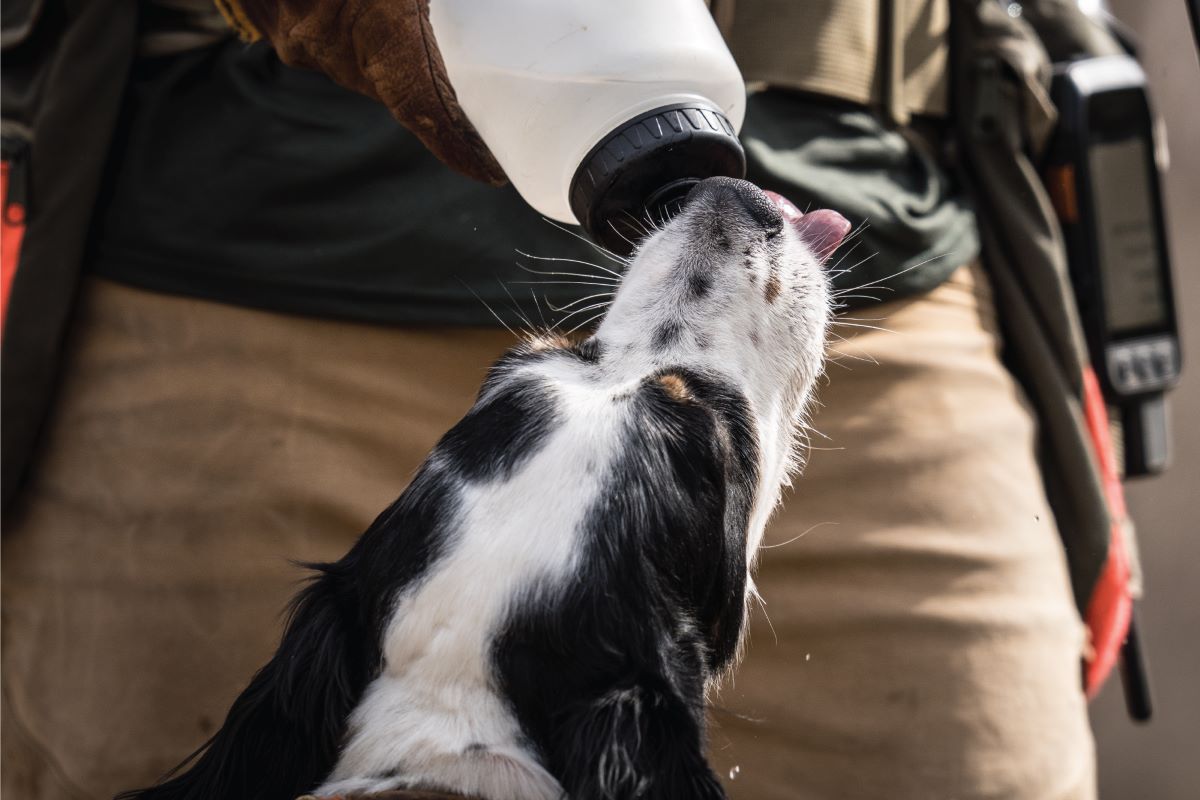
column 924, row 646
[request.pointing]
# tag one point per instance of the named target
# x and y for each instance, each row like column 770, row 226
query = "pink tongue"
column 822, row 230
column 789, row 211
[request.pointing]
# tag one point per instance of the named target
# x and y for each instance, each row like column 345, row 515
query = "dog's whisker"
column 834, row 268
column 635, row 221
column 762, row 604
column 809, row 429
column 492, row 311
column 876, row 284
column 860, row 325
column 856, row 233
column 858, row 230
column 835, row 272
column 577, row 302
column 657, row 224
column 516, row 308
column 597, row 304
column 585, row 323
column 812, row 528
column 864, row 359
column 846, row 252
column 566, row 283
column 538, row 306
column 721, row 710
column 612, row 272
column 567, row 274
column 584, row 310
column 617, row 231
column 870, row 297
column 863, row 319
column 604, row 251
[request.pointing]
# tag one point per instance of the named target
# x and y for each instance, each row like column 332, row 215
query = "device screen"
column 1128, row 235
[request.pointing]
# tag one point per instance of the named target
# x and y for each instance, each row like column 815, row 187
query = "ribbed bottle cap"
column 647, row 165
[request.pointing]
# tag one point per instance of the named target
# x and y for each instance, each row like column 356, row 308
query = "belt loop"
column 891, row 57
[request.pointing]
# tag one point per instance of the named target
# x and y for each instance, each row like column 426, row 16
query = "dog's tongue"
column 822, row 230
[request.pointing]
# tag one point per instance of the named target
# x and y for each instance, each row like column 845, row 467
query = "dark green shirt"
column 913, row 227
column 238, row 179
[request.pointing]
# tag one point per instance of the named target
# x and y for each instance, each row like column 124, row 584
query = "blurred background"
column 1161, row 760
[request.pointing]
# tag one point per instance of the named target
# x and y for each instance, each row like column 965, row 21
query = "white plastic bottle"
column 597, row 110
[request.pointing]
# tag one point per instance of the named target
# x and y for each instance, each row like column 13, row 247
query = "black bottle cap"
column 644, row 169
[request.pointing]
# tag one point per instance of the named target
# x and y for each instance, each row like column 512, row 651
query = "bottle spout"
column 639, row 174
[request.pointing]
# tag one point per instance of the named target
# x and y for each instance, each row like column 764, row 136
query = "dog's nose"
column 730, row 195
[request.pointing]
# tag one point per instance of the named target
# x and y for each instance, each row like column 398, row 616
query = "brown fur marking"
column 773, row 287
column 676, row 388
column 541, row 342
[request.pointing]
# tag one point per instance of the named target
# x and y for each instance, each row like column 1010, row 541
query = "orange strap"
column 12, row 232
column 1111, row 604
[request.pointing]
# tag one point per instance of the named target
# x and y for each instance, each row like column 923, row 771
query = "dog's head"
column 733, row 286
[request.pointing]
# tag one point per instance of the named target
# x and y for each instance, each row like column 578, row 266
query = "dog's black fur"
column 608, row 684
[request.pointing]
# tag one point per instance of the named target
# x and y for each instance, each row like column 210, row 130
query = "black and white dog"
column 540, row 614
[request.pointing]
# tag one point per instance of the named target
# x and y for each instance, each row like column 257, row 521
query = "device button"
column 1141, row 369
column 1123, row 374
column 1165, row 353
column 1158, row 363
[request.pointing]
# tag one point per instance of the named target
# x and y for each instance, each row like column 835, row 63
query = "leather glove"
column 384, row 49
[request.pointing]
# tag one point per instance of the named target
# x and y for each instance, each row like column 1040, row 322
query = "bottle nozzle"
column 639, row 174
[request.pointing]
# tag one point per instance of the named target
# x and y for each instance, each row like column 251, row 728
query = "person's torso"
column 242, row 180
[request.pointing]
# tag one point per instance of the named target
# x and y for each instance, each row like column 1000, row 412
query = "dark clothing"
column 236, row 178
column 915, row 226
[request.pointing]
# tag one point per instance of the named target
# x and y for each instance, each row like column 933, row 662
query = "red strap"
column 1111, row 604
column 12, row 231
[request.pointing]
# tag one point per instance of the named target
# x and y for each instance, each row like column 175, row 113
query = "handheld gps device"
column 1103, row 179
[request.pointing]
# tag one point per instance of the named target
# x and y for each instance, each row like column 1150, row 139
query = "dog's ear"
column 281, row 737
column 722, row 446
column 639, row 741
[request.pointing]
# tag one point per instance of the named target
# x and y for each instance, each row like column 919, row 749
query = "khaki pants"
column 924, row 646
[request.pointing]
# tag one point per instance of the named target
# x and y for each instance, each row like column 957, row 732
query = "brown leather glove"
column 381, row 48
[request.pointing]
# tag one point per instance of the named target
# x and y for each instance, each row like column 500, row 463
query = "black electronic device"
column 1103, row 177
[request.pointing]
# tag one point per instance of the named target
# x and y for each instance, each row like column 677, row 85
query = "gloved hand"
column 384, row 49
